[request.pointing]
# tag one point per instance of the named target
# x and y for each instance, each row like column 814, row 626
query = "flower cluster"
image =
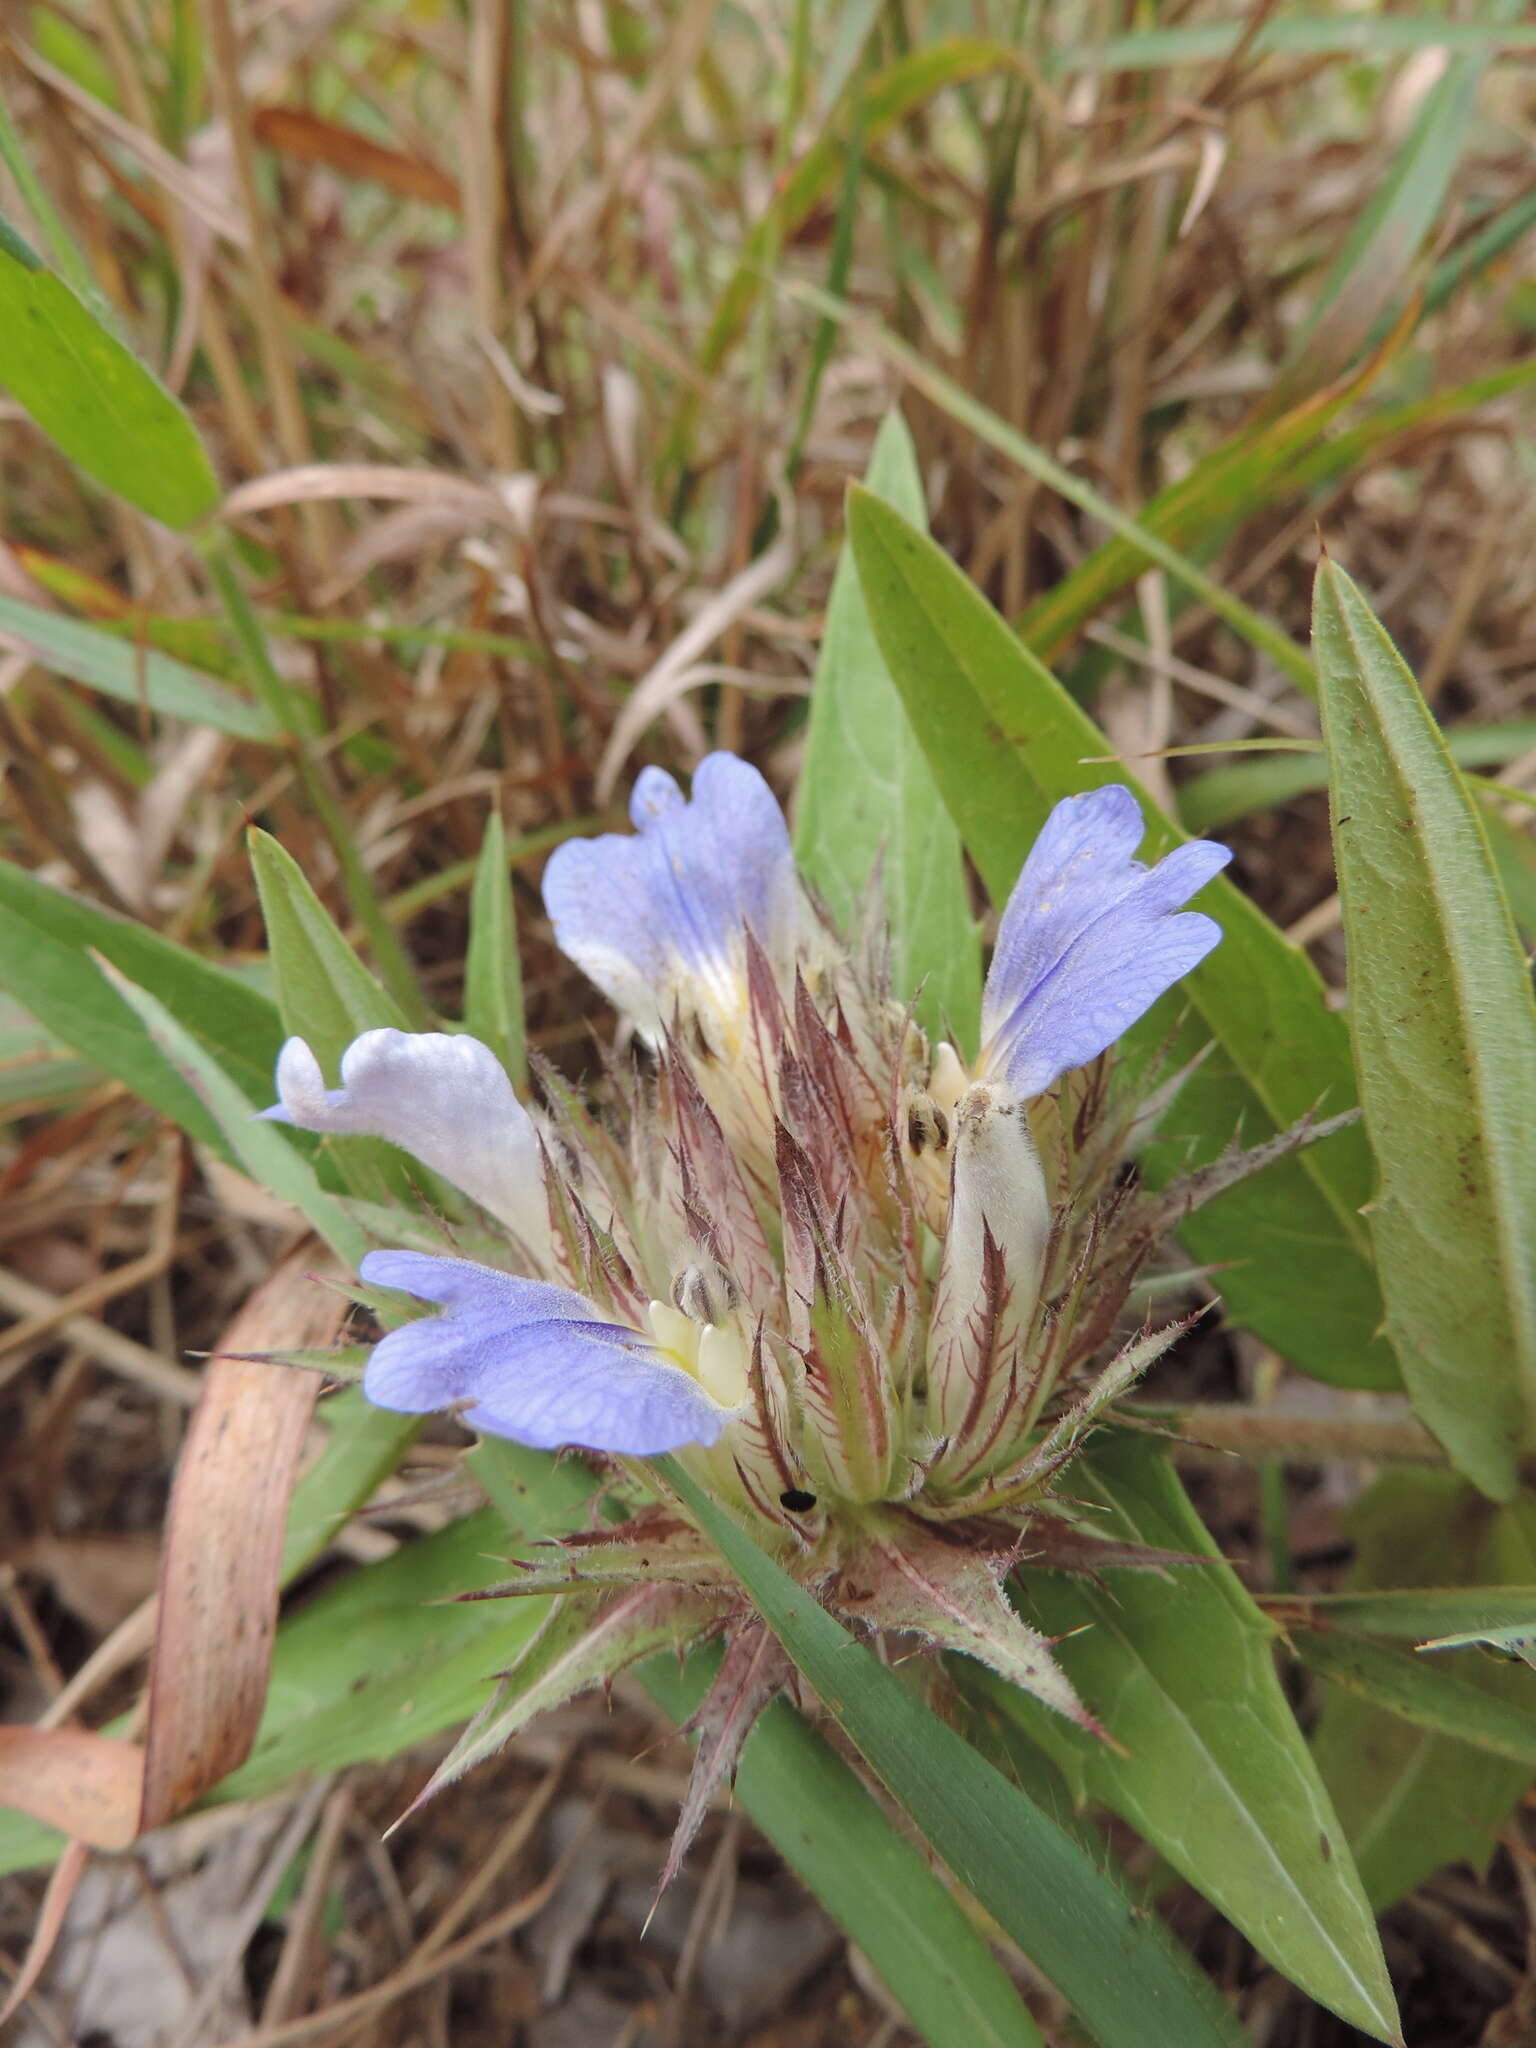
column 866, row 1291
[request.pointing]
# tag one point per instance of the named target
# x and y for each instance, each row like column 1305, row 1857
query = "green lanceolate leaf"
column 1005, row 742
column 328, row 997
column 868, row 801
column 93, row 397
column 132, row 674
column 493, row 979
column 870, row 1878
column 1214, row 1772
column 324, row 991
column 1444, row 1028
column 1039, row 1885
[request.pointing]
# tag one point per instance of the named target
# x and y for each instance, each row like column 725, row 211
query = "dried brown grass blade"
column 85, row 1785
column 292, row 132
column 316, row 482
column 224, row 1543
column 67, row 1873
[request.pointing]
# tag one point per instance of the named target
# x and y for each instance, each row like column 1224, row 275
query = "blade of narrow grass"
column 132, row 674
column 951, row 398
column 296, row 717
column 1365, row 36
column 1223, row 795
column 1384, row 241
column 887, row 99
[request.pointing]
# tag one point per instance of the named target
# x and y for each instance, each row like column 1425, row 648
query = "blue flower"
column 1089, row 939
column 441, row 1096
column 533, row 1362
column 658, row 920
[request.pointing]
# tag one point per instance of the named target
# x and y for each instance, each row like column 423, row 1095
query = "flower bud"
column 989, row 1281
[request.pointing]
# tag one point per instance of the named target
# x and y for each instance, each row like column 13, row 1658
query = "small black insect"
column 797, row 1501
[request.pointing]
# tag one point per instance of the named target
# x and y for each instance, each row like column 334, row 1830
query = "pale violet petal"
column 1082, row 862
column 1089, row 939
column 657, row 919
column 530, row 1361
column 443, row 1097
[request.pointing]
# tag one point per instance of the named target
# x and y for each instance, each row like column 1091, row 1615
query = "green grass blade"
column 1371, row 267
column 493, row 975
column 1415, row 1613
column 133, row 675
column 233, row 1019
column 92, row 396
column 297, row 716
column 260, row 1149
column 868, row 800
column 1218, row 1776
column 1223, row 795
column 887, row 99
column 1444, row 1028
column 65, row 990
column 969, row 412
column 1430, row 1698
column 1005, row 741
column 1412, row 1801
column 1364, row 36
column 1039, row 1885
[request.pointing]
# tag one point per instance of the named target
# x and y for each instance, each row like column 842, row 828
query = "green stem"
column 295, row 714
